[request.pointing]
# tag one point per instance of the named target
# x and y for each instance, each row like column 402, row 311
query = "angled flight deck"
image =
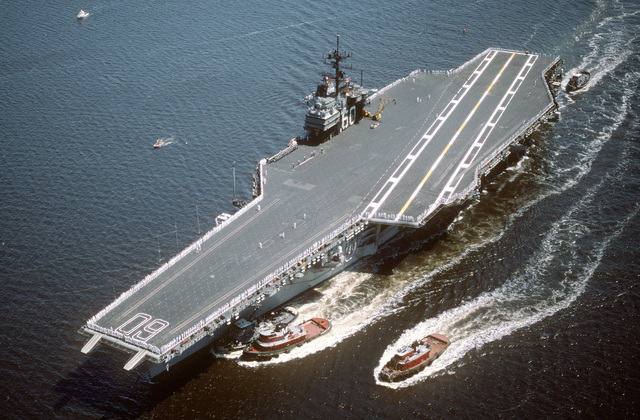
column 428, row 150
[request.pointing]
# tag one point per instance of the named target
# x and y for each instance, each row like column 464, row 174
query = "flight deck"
column 429, row 150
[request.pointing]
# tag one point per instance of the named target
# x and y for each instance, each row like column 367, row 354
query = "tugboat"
column 273, row 340
column 578, row 81
column 411, row 359
column 243, row 332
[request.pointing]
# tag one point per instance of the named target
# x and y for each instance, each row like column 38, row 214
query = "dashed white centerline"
column 391, row 183
column 453, row 139
column 452, row 184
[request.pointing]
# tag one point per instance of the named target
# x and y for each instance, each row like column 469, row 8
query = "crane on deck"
column 383, row 102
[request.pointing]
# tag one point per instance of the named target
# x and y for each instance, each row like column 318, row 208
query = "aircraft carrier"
column 369, row 165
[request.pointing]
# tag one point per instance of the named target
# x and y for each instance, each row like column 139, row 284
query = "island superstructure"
column 370, row 164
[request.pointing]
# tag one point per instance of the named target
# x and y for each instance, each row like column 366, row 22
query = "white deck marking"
column 452, row 140
column 403, row 168
column 452, row 185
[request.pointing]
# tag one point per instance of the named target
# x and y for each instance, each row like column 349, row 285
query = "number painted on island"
column 142, row 326
column 349, row 118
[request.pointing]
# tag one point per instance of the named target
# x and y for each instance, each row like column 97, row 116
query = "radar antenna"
column 335, row 57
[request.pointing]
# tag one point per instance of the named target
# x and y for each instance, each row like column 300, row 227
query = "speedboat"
column 411, row 359
column 82, row 14
column 164, row 142
column 578, row 81
column 243, row 332
column 273, row 340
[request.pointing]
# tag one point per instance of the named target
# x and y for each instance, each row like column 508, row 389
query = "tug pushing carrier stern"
column 334, row 196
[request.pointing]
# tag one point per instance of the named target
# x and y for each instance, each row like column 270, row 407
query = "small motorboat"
column 243, row 332
column 82, row 14
column 163, row 142
column 273, row 340
column 411, row 359
column 578, row 81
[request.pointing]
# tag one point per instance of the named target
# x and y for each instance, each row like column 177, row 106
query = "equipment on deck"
column 383, row 102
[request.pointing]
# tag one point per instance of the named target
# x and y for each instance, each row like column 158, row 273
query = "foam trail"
column 609, row 47
column 168, row 140
column 335, row 304
column 353, row 300
column 554, row 278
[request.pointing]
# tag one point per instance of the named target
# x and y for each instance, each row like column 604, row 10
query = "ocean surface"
column 536, row 282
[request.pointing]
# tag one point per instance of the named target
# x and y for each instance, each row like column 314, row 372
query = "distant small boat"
column 578, row 81
column 411, row 359
column 82, row 14
column 273, row 340
column 163, row 142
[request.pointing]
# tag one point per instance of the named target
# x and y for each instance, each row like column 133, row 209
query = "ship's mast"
column 336, row 57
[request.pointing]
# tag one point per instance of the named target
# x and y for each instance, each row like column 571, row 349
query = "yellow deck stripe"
column 464, row 123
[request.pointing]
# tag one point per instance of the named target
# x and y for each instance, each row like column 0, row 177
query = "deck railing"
column 195, row 246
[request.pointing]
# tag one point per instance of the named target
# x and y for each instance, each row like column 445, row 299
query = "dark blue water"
column 536, row 282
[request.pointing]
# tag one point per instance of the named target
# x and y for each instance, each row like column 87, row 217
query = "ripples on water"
column 542, row 260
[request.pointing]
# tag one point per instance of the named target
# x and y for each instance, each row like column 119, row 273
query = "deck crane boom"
column 383, row 102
